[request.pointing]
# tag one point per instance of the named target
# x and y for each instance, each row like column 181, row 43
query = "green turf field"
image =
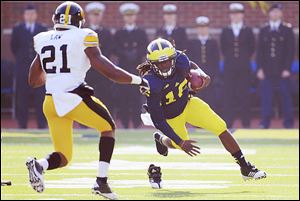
column 211, row 175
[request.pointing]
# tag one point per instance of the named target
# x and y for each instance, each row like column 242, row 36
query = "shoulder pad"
column 91, row 38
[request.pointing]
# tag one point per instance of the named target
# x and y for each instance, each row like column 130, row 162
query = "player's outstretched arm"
column 104, row 66
column 37, row 76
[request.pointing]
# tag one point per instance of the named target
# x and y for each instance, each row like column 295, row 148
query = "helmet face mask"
column 164, row 68
column 68, row 15
column 162, row 57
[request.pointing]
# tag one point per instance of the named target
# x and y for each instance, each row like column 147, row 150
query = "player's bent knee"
column 110, row 133
column 221, row 128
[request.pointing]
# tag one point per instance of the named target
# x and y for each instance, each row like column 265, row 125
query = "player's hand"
column 188, row 147
column 285, row 74
column 260, row 74
column 144, row 87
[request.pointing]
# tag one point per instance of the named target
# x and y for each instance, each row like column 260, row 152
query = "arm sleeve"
column 290, row 49
column 157, row 116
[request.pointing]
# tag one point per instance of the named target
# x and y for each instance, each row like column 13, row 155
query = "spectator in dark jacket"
column 22, row 48
column 130, row 47
column 276, row 49
column 205, row 52
column 238, row 46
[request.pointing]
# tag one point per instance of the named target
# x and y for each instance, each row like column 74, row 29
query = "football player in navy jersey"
column 171, row 105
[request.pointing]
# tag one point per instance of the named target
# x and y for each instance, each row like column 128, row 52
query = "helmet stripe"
column 82, row 13
column 67, row 13
column 159, row 45
column 149, row 49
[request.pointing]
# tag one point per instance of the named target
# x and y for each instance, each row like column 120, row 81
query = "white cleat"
column 154, row 174
column 104, row 190
column 156, row 185
column 36, row 178
column 251, row 172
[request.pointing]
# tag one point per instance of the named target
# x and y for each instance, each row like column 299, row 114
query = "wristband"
column 200, row 72
column 136, row 80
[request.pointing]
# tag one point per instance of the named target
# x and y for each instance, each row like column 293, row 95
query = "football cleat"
column 160, row 147
column 102, row 188
column 154, row 174
column 36, row 178
column 251, row 172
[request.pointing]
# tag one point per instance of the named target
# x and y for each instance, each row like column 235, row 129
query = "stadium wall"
column 150, row 16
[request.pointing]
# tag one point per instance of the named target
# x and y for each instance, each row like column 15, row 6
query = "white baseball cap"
column 202, row 21
column 129, row 8
column 236, row 7
column 169, row 8
column 95, row 6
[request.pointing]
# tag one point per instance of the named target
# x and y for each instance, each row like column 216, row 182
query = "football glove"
column 144, row 87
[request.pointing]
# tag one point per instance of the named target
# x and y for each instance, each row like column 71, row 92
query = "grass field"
column 211, row 175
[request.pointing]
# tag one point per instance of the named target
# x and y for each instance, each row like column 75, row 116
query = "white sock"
column 103, row 169
column 44, row 163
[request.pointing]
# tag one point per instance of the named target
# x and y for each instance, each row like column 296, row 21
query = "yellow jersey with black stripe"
column 65, row 63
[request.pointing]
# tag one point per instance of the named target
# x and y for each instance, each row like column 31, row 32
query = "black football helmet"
column 68, row 14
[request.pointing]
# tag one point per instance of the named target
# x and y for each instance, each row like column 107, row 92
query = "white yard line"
column 151, row 150
column 142, row 174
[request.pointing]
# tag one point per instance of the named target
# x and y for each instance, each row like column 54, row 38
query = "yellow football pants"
column 198, row 114
column 90, row 112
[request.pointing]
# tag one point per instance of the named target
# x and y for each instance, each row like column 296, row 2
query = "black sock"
column 106, row 148
column 240, row 159
column 102, row 180
column 54, row 160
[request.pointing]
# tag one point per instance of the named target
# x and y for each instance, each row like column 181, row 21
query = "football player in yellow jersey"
column 64, row 55
column 171, row 105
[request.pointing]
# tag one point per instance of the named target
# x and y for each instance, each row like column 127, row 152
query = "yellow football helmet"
column 161, row 54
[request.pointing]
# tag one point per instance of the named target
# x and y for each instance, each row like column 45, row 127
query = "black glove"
column 144, row 87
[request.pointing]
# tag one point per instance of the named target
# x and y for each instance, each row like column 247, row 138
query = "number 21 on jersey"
column 64, row 68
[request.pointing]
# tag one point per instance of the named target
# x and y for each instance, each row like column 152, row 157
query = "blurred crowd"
column 227, row 59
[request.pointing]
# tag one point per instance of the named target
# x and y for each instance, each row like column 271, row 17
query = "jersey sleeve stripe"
column 91, row 39
column 91, row 44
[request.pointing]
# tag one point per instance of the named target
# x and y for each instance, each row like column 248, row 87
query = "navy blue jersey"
column 168, row 96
